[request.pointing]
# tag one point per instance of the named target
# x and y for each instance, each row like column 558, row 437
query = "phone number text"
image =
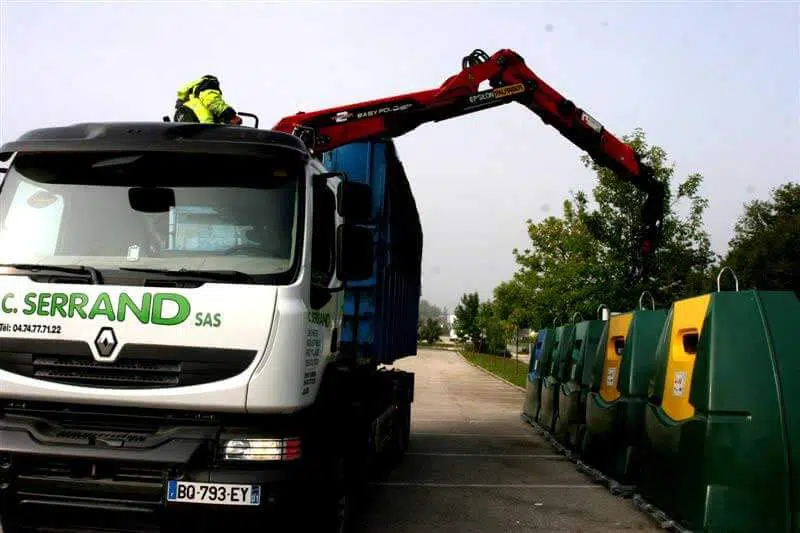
column 29, row 328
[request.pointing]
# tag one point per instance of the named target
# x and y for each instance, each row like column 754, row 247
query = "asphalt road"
column 474, row 466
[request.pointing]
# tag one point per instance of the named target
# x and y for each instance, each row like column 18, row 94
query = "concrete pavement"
column 473, row 466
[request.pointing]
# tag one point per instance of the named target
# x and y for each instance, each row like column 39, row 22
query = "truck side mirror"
column 354, row 253
column 354, row 202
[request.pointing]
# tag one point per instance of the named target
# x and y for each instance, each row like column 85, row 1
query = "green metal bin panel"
column 561, row 349
column 720, row 446
column 604, row 373
column 573, row 389
column 542, row 348
column 614, row 427
column 784, row 322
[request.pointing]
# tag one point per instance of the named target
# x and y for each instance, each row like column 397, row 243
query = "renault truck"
column 198, row 326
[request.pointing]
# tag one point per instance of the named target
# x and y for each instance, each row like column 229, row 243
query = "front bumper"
column 76, row 487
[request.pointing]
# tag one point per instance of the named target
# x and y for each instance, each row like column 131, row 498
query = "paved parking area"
column 474, row 466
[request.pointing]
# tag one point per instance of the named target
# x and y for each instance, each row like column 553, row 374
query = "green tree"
column 512, row 303
column 466, row 322
column 681, row 263
column 562, row 270
column 495, row 331
column 430, row 330
column 491, row 329
column 765, row 249
column 581, row 259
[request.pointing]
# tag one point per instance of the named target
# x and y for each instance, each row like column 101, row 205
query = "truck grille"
column 93, row 470
column 53, row 492
column 82, row 422
column 136, row 373
column 138, row 366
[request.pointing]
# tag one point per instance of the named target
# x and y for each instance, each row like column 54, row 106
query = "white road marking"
column 484, row 435
column 525, row 455
column 512, row 417
column 482, row 485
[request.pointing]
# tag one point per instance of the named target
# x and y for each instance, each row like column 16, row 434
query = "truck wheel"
column 342, row 495
column 345, row 497
column 405, row 428
column 336, row 495
column 400, row 439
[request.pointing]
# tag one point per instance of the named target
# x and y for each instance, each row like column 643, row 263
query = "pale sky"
column 714, row 83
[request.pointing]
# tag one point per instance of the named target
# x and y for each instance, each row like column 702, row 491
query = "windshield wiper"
column 226, row 275
column 94, row 274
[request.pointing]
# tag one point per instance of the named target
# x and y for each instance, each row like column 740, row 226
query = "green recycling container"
column 540, row 354
column 575, row 385
column 721, row 447
column 562, row 346
column 615, row 407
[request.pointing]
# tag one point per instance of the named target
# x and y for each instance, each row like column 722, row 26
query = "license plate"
column 213, row 493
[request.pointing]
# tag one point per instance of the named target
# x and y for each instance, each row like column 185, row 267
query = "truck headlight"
column 251, row 449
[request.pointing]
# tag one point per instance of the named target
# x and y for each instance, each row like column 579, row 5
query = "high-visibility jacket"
column 203, row 98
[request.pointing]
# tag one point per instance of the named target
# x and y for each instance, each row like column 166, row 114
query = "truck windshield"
column 153, row 211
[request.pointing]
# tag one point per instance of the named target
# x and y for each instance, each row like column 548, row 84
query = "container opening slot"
column 690, row 341
column 619, row 345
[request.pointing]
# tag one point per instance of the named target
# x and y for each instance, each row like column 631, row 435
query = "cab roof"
column 154, row 137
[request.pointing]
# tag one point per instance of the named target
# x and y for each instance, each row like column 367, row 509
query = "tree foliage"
column 466, row 323
column 512, row 303
column 765, row 249
column 484, row 323
column 430, row 330
column 495, row 331
column 681, row 263
column 580, row 260
column 561, row 270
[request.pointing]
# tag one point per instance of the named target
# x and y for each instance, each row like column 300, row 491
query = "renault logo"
column 105, row 343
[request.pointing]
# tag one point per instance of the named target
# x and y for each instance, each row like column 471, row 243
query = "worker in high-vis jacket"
column 201, row 101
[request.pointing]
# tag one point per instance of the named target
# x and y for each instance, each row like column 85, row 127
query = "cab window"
column 323, row 240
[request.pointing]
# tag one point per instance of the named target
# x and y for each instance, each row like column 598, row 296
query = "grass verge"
column 504, row 367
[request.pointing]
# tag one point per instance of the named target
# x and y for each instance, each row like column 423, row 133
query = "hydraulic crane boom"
column 510, row 81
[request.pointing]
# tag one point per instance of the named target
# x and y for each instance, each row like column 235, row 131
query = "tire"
column 342, row 494
column 333, row 512
column 404, row 436
column 400, row 439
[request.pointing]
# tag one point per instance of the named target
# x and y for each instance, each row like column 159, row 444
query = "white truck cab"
column 171, row 307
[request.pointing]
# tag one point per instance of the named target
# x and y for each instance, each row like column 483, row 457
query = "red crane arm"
column 510, row 81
